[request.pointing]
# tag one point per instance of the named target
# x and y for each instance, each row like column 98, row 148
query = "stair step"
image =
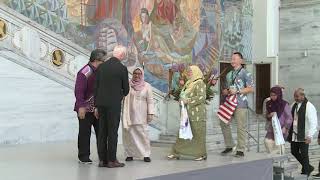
column 288, row 168
column 300, row 177
column 297, row 177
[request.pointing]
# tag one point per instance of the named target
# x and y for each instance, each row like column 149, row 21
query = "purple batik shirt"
column 285, row 121
column 84, row 88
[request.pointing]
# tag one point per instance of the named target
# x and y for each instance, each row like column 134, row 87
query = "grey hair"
column 301, row 91
column 119, row 51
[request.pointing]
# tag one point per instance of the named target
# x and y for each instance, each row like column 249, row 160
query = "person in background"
column 193, row 95
column 277, row 105
column 302, row 130
column 317, row 176
column 112, row 85
column 138, row 111
column 84, row 105
column 239, row 83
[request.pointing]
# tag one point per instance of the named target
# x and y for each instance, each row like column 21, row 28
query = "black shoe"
column 146, row 159
column 103, row 164
column 115, row 164
column 85, row 161
column 226, row 151
column 239, row 154
column 129, row 159
column 316, row 176
column 311, row 169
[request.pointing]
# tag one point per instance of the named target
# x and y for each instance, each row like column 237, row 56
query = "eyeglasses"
column 137, row 73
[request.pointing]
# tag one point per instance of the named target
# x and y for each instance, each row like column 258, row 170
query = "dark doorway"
column 223, row 66
column 263, row 79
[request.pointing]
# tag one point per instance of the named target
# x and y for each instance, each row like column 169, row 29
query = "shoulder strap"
column 234, row 78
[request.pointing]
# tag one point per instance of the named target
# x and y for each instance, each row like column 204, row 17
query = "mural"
column 158, row 33
column 3, row 29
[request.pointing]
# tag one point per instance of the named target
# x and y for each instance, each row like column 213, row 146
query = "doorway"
column 263, row 79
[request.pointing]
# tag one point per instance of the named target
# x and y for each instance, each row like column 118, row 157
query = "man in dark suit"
column 112, row 84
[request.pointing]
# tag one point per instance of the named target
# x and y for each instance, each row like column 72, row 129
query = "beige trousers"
column 240, row 115
column 272, row 148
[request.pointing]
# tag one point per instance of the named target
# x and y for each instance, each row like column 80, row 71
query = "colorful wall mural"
column 158, row 33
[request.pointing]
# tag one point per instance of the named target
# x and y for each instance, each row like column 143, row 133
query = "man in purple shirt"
column 84, row 105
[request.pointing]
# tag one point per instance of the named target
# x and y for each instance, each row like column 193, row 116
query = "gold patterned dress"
column 196, row 96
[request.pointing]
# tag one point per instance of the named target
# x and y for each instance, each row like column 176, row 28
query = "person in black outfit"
column 112, row 85
column 84, row 105
column 303, row 128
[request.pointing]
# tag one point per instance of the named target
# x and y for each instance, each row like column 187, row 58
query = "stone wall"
column 299, row 61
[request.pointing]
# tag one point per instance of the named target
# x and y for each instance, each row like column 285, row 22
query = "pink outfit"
column 137, row 105
column 138, row 85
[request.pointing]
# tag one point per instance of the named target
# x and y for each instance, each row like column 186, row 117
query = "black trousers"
column 300, row 151
column 85, row 134
column 109, row 118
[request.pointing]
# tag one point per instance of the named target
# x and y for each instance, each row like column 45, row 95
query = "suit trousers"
column 109, row 119
column 300, row 150
column 85, row 134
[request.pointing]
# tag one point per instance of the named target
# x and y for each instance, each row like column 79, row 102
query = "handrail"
column 258, row 129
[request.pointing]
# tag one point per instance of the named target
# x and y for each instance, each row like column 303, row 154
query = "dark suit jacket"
column 112, row 84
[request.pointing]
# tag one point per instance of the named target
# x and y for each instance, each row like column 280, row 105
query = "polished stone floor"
column 58, row 161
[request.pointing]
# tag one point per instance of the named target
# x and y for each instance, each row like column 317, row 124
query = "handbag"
column 278, row 136
column 185, row 131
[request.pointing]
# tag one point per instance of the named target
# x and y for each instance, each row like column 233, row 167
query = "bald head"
column 299, row 95
column 119, row 52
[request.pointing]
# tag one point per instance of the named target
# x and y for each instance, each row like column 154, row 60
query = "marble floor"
column 58, row 161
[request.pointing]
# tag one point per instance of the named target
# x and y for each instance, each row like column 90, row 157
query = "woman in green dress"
column 193, row 95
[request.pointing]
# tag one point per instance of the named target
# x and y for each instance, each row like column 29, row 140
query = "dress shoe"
column 146, row 159
column 129, row 159
column 311, row 169
column 226, row 151
column 239, row 154
column 115, row 164
column 103, row 164
column 316, row 176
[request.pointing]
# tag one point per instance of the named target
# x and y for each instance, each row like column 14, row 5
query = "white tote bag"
column 185, row 131
column 278, row 136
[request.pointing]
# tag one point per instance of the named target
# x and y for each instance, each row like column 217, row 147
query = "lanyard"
column 235, row 76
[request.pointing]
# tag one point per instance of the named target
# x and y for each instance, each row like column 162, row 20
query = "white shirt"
column 311, row 121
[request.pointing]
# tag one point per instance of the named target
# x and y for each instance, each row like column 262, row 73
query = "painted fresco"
column 158, row 33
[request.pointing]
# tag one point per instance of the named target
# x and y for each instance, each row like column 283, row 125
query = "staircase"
column 32, row 46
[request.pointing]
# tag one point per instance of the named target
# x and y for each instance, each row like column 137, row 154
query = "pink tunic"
column 141, row 104
column 135, row 125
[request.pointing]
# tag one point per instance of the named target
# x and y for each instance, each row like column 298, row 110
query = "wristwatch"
column 238, row 92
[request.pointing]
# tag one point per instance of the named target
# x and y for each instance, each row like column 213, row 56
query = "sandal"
column 201, row 158
column 172, row 156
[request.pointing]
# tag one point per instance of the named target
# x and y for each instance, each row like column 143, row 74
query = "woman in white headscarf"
column 138, row 111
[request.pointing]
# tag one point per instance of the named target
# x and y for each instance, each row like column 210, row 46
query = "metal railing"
column 258, row 123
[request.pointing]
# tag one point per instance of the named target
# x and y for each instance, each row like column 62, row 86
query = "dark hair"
column 97, row 55
column 144, row 10
column 239, row 54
